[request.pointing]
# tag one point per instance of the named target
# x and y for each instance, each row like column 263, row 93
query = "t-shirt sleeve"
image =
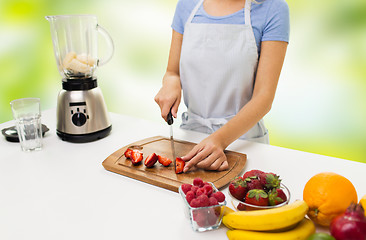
column 182, row 13
column 277, row 26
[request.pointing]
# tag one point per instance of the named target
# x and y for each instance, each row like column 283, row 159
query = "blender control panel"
column 79, row 114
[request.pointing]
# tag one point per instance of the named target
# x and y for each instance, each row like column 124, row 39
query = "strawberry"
column 270, row 180
column 276, row 196
column 151, row 160
column 128, row 153
column 136, row 157
column 254, row 184
column 238, row 188
column 179, row 165
column 241, row 207
column 252, row 174
column 164, row 161
column 257, row 197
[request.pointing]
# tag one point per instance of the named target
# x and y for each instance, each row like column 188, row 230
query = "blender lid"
column 11, row 133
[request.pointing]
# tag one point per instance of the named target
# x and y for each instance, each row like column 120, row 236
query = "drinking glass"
column 27, row 116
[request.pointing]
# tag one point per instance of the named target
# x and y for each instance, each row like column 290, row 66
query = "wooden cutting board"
column 166, row 177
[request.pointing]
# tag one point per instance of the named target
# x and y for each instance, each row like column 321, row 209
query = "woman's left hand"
column 208, row 155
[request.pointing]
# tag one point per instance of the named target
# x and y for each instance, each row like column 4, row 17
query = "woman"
column 226, row 56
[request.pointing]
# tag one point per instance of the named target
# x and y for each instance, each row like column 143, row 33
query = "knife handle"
column 170, row 118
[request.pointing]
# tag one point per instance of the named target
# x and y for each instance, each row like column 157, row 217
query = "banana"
column 301, row 232
column 77, row 66
column 86, row 59
column 67, row 59
column 226, row 210
column 269, row 219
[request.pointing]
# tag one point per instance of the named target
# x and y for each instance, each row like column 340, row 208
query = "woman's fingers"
column 188, row 158
column 207, row 157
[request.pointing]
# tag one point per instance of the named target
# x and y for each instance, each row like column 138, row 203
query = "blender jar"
column 75, row 43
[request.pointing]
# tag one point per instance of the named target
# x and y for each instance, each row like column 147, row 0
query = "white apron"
column 217, row 70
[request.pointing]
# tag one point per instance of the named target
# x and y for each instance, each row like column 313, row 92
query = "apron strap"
column 194, row 11
column 247, row 8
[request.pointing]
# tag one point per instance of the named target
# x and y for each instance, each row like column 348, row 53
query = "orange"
column 363, row 203
column 328, row 195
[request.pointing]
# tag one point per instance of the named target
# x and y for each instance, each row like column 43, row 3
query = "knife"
column 170, row 123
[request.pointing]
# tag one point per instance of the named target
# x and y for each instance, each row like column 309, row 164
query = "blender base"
column 84, row 138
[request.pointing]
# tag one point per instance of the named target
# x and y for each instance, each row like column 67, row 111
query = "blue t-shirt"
column 270, row 19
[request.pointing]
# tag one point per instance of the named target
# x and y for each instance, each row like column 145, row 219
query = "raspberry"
column 211, row 217
column 206, row 183
column 204, row 202
column 208, row 189
column 186, row 188
column 200, row 218
column 195, row 203
column 189, row 196
column 201, row 191
column 198, row 182
column 220, row 197
column 213, row 201
column 194, row 189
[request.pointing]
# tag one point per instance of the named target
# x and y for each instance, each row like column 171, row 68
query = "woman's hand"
column 169, row 95
column 208, row 154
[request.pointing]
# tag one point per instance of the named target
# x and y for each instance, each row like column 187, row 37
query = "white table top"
column 63, row 191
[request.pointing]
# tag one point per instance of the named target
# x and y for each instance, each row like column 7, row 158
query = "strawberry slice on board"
column 164, row 161
column 136, row 157
column 179, row 165
column 128, row 153
column 151, row 160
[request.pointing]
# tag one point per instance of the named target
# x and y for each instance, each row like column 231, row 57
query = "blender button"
column 78, row 110
column 72, row 112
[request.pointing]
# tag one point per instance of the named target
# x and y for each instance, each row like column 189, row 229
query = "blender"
column 82, row 114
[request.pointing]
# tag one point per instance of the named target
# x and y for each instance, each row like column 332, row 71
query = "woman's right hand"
column 169, row 95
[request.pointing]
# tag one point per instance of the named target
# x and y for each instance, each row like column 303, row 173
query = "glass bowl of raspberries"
column 257, row 190
column 203, row 204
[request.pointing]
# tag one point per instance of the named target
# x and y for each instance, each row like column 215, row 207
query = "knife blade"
column 170, row 123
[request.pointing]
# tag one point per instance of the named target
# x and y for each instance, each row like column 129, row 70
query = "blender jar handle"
column 110, row 44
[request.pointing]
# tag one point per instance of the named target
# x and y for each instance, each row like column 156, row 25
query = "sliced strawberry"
column 151, row 160
column 136, row 157
column 179, row 165
column 164, row 161
column 128, row 153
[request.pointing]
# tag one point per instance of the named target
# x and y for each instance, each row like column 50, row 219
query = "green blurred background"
column 320, row 102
